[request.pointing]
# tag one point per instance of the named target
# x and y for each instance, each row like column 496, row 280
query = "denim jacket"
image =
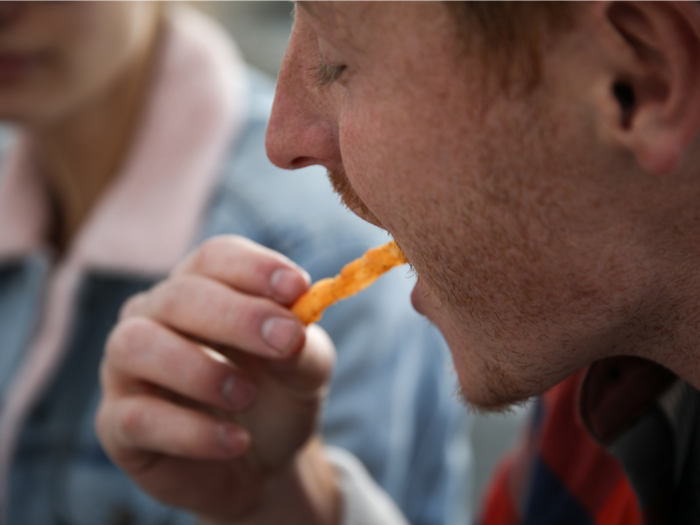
column 391, row 401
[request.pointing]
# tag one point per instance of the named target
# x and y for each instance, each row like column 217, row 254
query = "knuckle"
column 195, row 377
column 132, row 346
column 213, row 250
column 168, row 296
column 132, row 305
column 237, row 316
column 244, row 317
column 129, row 336
column 134, row 422
column 204, row 254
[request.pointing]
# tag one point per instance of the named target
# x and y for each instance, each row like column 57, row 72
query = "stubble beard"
column 488, row 278
column 349, row 198
column 444, row 280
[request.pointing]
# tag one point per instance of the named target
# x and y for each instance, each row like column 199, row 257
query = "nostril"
column 302, row 162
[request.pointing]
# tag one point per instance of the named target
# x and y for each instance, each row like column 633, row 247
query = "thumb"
column 308, row 370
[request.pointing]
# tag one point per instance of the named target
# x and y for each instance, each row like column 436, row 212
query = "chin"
column 489, row 402
column 485, row 385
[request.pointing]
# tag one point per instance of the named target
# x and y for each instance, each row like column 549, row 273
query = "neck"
column 668, row 333
column 80, row 153
column 681, row 351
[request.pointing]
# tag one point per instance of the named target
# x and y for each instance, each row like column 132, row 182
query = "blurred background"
column 261, row 30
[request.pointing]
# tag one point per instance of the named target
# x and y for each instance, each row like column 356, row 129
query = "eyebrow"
column 309, row 7
column 329, row 15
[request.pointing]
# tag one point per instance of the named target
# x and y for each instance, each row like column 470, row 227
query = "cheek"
column 377, row 157
column 369, row 169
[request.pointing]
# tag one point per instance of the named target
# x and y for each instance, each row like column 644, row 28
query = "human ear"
column 654, row 80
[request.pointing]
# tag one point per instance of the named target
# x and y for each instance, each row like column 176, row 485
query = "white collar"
column 148, row 218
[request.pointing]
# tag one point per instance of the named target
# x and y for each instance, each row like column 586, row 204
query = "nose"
column 9, row 12
column 303, row 127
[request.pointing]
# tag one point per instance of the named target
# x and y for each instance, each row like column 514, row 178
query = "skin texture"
column 548, row 228
column 212, row 389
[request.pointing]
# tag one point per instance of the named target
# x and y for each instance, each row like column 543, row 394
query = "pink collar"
column 148, row 218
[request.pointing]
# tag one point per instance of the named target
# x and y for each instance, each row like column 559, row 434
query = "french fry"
column 354, row 277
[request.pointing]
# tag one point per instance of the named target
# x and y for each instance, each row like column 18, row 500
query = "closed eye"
column 325, row 74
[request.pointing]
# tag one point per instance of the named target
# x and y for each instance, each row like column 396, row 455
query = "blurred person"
column 539, row 164
column 137, row 133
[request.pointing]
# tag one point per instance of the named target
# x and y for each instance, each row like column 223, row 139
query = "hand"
column 212, row 389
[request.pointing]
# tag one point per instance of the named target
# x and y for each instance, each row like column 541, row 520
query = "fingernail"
column 287, row 284
column 233, row 439
column 238, row 392
column 279, row 332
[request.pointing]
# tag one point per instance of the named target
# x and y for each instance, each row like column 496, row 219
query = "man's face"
column 495, row 199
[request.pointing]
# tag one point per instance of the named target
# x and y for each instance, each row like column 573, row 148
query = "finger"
column 210, row 311
column 247, row 266
column 309, row 370
column 142, row 350
column 146, row 423
column 132, row 305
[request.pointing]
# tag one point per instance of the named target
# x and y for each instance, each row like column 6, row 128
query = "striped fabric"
column 560, row 475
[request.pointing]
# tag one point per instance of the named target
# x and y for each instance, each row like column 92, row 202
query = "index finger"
column 248, row 267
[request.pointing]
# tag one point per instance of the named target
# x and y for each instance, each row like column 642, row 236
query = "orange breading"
column 354, row 277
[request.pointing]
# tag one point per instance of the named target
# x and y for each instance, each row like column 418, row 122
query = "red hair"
column 510, row 35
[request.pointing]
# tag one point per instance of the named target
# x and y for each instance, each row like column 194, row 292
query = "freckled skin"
column 538, row 242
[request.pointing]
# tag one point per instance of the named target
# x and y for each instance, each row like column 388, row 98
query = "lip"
column 16, row 65
column 419, row 296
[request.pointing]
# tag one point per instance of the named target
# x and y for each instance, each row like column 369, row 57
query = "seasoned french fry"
column 354, row 277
